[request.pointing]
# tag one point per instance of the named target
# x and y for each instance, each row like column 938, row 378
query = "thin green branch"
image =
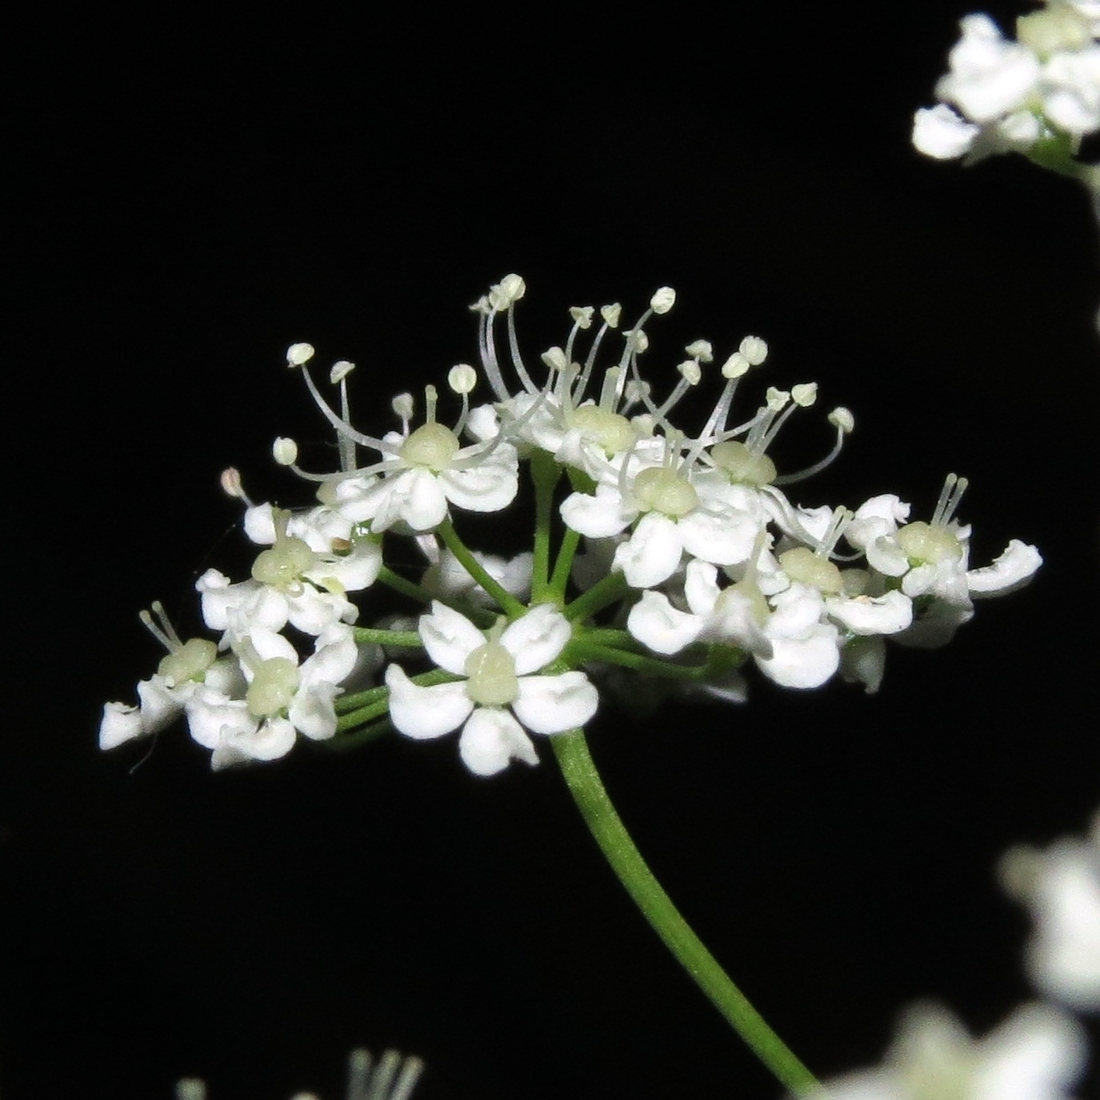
column 511, row 606
column 605, row 825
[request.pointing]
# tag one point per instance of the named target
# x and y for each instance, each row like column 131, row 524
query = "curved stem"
column 508, row 603
column 605, row 825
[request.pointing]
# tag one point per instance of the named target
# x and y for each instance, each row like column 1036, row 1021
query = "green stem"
column 398, row 583
column 604, row 592
column 584, row 650
column 545, row 473
column 564, row 565
column 407, row 638
column 605, row 825
column 508, row 603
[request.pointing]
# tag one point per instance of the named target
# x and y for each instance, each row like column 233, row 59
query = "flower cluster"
column 1038, row 95
column 661, row 554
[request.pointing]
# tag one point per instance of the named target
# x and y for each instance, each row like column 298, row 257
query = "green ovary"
column 665, row 491
column 803, row 565
column 284, row 563
column 743, row 465
column 492, row 673
column 431, row 446
column 273, row 687
column 189, row 662
column 611, row 431
column 923, row 542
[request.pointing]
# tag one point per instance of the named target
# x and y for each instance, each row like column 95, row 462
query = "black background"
column 195, row 192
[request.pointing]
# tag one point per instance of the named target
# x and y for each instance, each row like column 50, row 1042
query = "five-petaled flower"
column 501, row 691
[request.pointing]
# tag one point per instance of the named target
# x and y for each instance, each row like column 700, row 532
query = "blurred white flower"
column 1061, row 887
column 1037, row 1054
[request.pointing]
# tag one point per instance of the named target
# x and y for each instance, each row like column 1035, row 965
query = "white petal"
column 989, row 76
column 726, row 538
column 334, row 656
column 312, row 712
column 599, row 516
column 270, row 740
column 426, row 712
column 885, row 554
column 259, row 524
column 802, row 663
column 701, row 586
column 1036, row 1053
column 420, row 500
column 492, row 738
column 660, row 626
column 1013, row 569
column 120, row 723
column 449, row 637
column 553, row 704
column 885, row 614
column 537, row 638
column 652, row 552
column 268, row 644
column 209, row 714
column 489, row 486
column 939, row 132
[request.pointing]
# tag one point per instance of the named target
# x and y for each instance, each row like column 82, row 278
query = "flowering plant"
column 669, row 561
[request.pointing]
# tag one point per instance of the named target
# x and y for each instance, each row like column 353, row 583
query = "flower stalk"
column 626, row 861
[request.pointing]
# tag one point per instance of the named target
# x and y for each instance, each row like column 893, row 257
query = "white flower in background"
column 1001, row 95
column 1037, row 1054
column 447, row 578
column 1061, row 887
column 500, row 693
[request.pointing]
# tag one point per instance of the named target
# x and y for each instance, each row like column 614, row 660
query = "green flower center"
column 663, row 490
column 431, row 447
column 492, row 672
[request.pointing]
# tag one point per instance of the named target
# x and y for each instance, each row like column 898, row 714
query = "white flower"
column 674, row 519
column 283, row 697
column 164, row 696
column 930, row 562
column 787, row 633
column 337, row 561
column 1036, row 1054
column 1010, row 95
column 989, row 76
column 501, row 692
column 1061, row 886
column 430, row 468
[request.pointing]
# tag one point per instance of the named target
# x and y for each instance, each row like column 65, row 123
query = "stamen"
column 462, row 378
column 431, row 396
column 950, row 496
column 162, row 629
column 339, row 374
column 285, row 451
column 844, row 423
column 513, row 347
column 582, row 318
column 232, row 486
column 404, row 406
column 342, row 427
